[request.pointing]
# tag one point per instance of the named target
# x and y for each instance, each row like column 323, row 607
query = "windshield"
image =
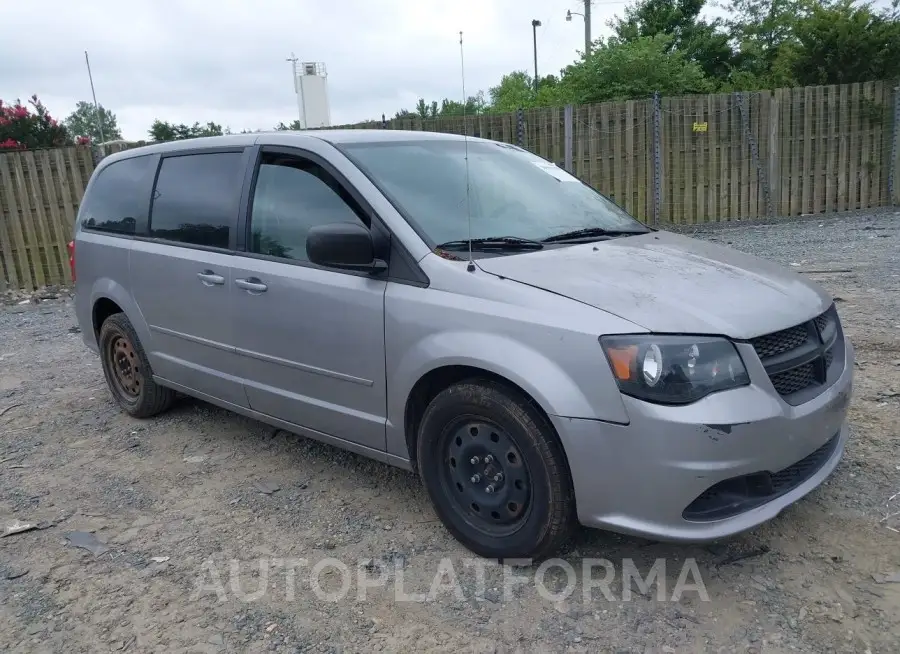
column 511, row 192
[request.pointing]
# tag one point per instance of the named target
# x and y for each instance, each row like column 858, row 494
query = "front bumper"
column 640, row 478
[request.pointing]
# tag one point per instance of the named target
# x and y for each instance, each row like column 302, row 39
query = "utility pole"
column 534, row 25
column 587, row 27
column 97, row 116
column 298, row 90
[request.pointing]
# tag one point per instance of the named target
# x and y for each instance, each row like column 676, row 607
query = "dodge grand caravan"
column 466, row 310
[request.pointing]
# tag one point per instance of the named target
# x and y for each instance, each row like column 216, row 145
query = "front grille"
column 739, row 494
column 803, row 360
column 822, row 322
column 772, row 345
column 795, row 379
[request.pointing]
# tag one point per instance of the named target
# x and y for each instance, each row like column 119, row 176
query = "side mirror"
column 347, row 246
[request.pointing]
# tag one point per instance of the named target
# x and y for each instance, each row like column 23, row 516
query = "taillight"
column 71, row 247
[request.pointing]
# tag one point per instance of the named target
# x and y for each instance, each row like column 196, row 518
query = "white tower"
column 311, row 87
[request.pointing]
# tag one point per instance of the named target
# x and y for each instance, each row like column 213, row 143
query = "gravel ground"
column 169, row 503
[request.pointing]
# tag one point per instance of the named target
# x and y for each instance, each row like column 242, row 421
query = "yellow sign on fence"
column 700, row 127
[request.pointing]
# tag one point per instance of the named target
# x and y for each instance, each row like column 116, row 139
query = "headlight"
column 673, row 369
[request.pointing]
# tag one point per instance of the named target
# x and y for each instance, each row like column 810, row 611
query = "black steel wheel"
column 496, row 472
column 485, row 476
column 126, row 366
column 127, row 370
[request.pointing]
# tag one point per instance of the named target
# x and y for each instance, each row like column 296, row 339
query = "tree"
column 164, row 131
column 705, row 43
column 760, row 30
column 293, row 125
column 24, row 127
column 843, row 43
column 617, row 70
column 83, row 122
column 476, row 104
column 515, row 91
column 425, row 110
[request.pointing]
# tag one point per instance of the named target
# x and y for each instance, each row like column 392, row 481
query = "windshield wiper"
column 493, row 243
column 591, row 233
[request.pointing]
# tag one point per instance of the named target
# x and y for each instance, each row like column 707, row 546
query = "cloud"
column 225, row 60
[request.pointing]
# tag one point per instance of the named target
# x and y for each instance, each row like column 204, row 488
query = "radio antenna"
column 462, row 63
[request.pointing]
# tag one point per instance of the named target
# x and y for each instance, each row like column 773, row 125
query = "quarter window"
column 196, row 198
column 293, row 195
column 118, row 196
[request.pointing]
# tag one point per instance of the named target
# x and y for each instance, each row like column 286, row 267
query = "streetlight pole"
column 534, row 25
column 587, row 24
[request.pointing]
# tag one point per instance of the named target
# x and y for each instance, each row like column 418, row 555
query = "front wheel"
column 496, row 472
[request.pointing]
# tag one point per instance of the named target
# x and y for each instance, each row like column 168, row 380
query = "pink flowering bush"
column 29, row 126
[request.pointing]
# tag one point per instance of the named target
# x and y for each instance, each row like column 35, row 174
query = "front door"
column 310, row 340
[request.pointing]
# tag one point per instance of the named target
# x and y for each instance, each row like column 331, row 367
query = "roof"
column 283, row 137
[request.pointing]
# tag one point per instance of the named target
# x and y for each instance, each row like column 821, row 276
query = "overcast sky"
column 225, row 60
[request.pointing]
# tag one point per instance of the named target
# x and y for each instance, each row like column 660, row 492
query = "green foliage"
column 475, row 105
column 83, row 122
column 761, row 30
column 617, row 70
column 703, row 43
column 516, row 91
column 293, row 125
column 427, row 110
column 163, row 131
column 844, row 42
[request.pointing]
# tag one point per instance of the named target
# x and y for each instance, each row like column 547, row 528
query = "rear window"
column 119, row 194
column 196, row 198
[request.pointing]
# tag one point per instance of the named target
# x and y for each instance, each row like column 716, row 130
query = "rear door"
column 181, row 273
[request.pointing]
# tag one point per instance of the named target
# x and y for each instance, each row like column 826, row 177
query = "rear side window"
column 118, row 196
column 196, row 198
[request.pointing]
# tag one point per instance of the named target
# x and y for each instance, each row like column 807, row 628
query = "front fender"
column 556, row 391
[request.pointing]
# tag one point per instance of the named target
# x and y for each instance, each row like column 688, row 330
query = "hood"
column 666, row 282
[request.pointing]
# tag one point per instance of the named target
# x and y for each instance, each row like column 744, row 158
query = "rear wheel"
column 127, row 371
column 495, row 472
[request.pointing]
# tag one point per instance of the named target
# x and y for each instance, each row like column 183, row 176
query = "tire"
column 137, row 394
column 530, row 513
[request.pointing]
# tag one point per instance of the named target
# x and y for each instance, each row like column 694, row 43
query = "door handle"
column 209, row 278
column 251, row 284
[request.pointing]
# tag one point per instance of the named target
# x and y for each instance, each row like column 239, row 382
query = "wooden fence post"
column 895, row 150
column 774, row 162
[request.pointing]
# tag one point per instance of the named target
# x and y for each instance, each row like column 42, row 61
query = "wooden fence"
column 683, row 160
column 39, row 196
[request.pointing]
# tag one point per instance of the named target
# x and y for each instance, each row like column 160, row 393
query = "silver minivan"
column 469, row 311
